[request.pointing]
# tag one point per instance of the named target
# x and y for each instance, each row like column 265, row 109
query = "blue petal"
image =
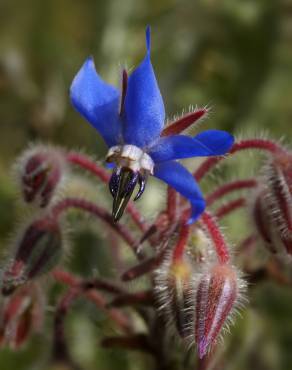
column 178, row 177
column 208, row 143
column 219, row 142
column 144, row 109
column 97, row 101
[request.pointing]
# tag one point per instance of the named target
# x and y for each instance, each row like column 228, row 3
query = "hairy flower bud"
column 21, row 314
column 175, row 295
column 38, row 251
column 217, row 295
column 272, row 209
column 263, row 221
column 278, row 175
column 40, row 170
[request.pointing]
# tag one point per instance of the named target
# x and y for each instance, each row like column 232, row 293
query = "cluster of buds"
column 40, row 171
column 21, row 314
column 195, row 291
column 273, row 204
column 196, row 288
column 38, row 249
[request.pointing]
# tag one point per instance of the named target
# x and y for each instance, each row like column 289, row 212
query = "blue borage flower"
column 131, row 123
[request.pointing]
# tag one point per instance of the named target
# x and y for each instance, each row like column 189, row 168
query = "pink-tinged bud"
column 217, row 296
column 40, row 170
column 21, row 314
column 278, row 176
column 275, row 240
column 262, row 221
column 39, row 250
column 272, row 209
column 174, row 294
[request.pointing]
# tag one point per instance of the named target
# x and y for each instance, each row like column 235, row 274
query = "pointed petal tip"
column 202, row 348
column 148, row 38
column 197, row 210
column 97, row 101
column 219, row 142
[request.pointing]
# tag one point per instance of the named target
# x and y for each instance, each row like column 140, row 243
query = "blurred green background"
column 234, row 56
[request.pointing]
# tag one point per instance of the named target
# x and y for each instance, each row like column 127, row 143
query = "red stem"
column 87, row 164
column 171, row 204
column 230, row 207
column 247, row 243
column 228, row 188
column 184, row 122
column 262, row 144
column 79, row 288
column 144, row 298
column 100, row 213
column 144, row 267
column 60, row 349
column 217, row 237
column 68, row 278
column 181, row 243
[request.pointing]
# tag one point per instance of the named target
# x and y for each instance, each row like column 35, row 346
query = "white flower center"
column 132, row 157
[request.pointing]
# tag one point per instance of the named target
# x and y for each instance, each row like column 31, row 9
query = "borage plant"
column 194, row 286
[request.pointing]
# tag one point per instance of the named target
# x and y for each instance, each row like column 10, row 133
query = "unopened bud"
column 175, row 295
column 217, row 296
column 262, row 221
column 272, row 209
column 278, row 176
column 40, row 170
column 39, row 250
column 21, row 314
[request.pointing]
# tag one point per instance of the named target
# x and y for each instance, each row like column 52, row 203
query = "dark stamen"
column 114, row 181
column 126, row 185
column 142, row 184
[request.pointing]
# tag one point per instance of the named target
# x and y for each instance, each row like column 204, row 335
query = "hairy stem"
column 98, row 212
column 217, row 237
column 229, row 207
column 229, row 188
column 258, row 144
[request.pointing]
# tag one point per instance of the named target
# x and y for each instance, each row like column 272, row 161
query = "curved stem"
column 78, row 287
column 229, row 207
column 171, row 204
column 60, row 349
column 259, row 144
column 181, row 243
column 89, row 165
column 144, row 267
column 247, row 244
column 228, row 188
column 217, row 237
column 68, row 278
column 100, row 213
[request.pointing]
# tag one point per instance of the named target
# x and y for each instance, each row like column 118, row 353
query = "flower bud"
column 272, row 208
column 174, row 294
column 40, row 170
column 262, row 221
column 39, row 250
column 21, row 314
column 217, row 295
column 278, row 180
